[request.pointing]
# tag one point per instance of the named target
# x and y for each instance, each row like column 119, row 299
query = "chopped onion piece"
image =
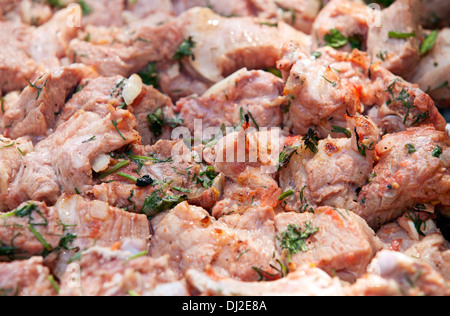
column 132, row 89
column 101, row 163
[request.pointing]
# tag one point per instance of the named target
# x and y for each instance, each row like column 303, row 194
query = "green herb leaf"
column 149, row 75
column 40, row 238
column 210, row 175
column 185, row 49
column 274, row 71
column 156, row 122
column 85, row 7
column 335, row 39
column 160, row 202
column 356, row 41
column 362, row 148
column 117, row 129
column 117, row 167
column 311, row 141
column 294, row 238
column 286, row 155
column 411, row 148
column 428, row 43
column 285, row 195
column 437, row 152
column 393, row 34
column 341, row 130
column 316, row 54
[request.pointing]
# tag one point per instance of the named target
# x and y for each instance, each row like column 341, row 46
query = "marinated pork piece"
column 255, row 93
column 251, row 188
column 104, row 12
column 106, row 272
column 166, row 174
column 25, row 278
column 95, row 94
column 395, row 274
column 5, row 7
column 412, row 169
column 336, row 241
column 131, row 49
column 31, row 229
column 244, row 42
column 63, row 162
column 305, row 281
column 34, row 113
column 323, row 89
column 348, row 17
column 432, row 74
column 408, row 230
column 48, row 43
column 398, row 52
column 395, row 237
column 142, row 9
column 237, row 151
column 59, row 232
column 334, row 174
column 390, row 37
column 298, row 13
column 11, row 155
column 239, row 246
column 433, row 250
column 27, row 11
column 319, row 98
column 16, row 66
column 398, row 104
column 249, row 160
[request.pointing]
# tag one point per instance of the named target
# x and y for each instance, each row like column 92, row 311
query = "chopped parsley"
column 149, row 75
column 294, row 238
column 437, row 152
column 286, row 155
column 311, row 141
column 335, row 39
column 160, row 202
column 185, row 49
column 356, row 41
column 362, row 148
column 418, row 222
column 156, row 122
column 411, row 148
column 206, row 178
column 316, row 54
column 85, row 8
